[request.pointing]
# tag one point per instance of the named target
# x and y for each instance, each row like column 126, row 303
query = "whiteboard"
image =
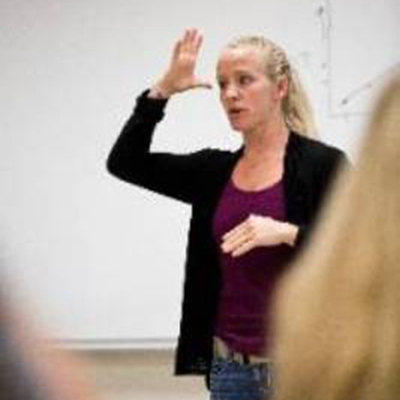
column 101, row 261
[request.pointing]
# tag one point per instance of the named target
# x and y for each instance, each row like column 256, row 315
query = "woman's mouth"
column 236, row 111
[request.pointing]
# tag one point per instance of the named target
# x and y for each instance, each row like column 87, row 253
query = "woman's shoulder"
column 217, row 154
column 311, row 156
column 216, row 159
column 314, row 147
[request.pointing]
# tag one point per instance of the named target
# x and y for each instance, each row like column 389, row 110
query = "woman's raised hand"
column 180, row 75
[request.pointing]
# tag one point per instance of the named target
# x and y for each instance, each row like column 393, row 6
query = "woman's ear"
column 282, row 88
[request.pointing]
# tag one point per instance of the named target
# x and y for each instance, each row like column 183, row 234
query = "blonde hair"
column 296, row 106
column 338, row 309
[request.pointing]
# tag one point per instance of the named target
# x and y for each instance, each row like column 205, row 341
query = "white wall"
column 97, row 259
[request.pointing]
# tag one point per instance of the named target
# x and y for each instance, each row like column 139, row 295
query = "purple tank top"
column 248, row 280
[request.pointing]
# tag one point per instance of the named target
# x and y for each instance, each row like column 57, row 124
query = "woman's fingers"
column 202, row 84
column 177, row 50
column 184, row 42
column 191, row 41
column 256, row 231
column 240, row 244
column 237, row 230
column 180, row 75
column 233, row 242
column 237, row 236
column 198, row 43
column 243, row 248
column 191, row 44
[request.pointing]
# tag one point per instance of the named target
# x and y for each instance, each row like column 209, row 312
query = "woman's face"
column 248, row 96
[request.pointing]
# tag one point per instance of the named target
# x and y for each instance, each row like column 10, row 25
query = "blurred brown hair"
column 338, row 309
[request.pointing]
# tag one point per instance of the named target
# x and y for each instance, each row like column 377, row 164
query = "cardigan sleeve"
column 131, row 160
column 330, row 163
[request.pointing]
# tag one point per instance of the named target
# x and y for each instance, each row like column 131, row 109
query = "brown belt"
column 223, row 351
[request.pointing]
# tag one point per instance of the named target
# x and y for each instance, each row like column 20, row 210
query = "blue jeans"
column 230, row 380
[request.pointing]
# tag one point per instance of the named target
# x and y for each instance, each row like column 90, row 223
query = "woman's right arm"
column 131, row 159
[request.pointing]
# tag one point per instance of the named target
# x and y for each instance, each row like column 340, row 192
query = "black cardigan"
column 198, row 179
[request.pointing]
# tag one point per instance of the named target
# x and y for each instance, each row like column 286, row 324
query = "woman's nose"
column 231, row 91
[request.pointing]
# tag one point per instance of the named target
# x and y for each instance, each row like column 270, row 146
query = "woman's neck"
column 262, row 162
column 266, row 144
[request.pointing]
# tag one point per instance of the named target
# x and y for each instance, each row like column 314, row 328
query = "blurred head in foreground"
column 31, row 369
column 338, row 309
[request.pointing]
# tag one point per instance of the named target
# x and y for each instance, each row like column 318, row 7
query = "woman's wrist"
column 159, row 91
column 290, row 233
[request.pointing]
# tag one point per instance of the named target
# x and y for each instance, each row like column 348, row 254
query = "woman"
column 251, row 209
column 338, row 314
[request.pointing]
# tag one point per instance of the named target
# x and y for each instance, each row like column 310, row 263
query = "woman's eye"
column 245, row 79
column 221, row 84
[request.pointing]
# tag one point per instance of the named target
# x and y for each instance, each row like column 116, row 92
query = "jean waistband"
column 222, row 350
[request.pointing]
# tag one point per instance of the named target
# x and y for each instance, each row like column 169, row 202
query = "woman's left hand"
column 258, row 231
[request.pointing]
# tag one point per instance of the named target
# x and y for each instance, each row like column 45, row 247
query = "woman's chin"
column 237, row 126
